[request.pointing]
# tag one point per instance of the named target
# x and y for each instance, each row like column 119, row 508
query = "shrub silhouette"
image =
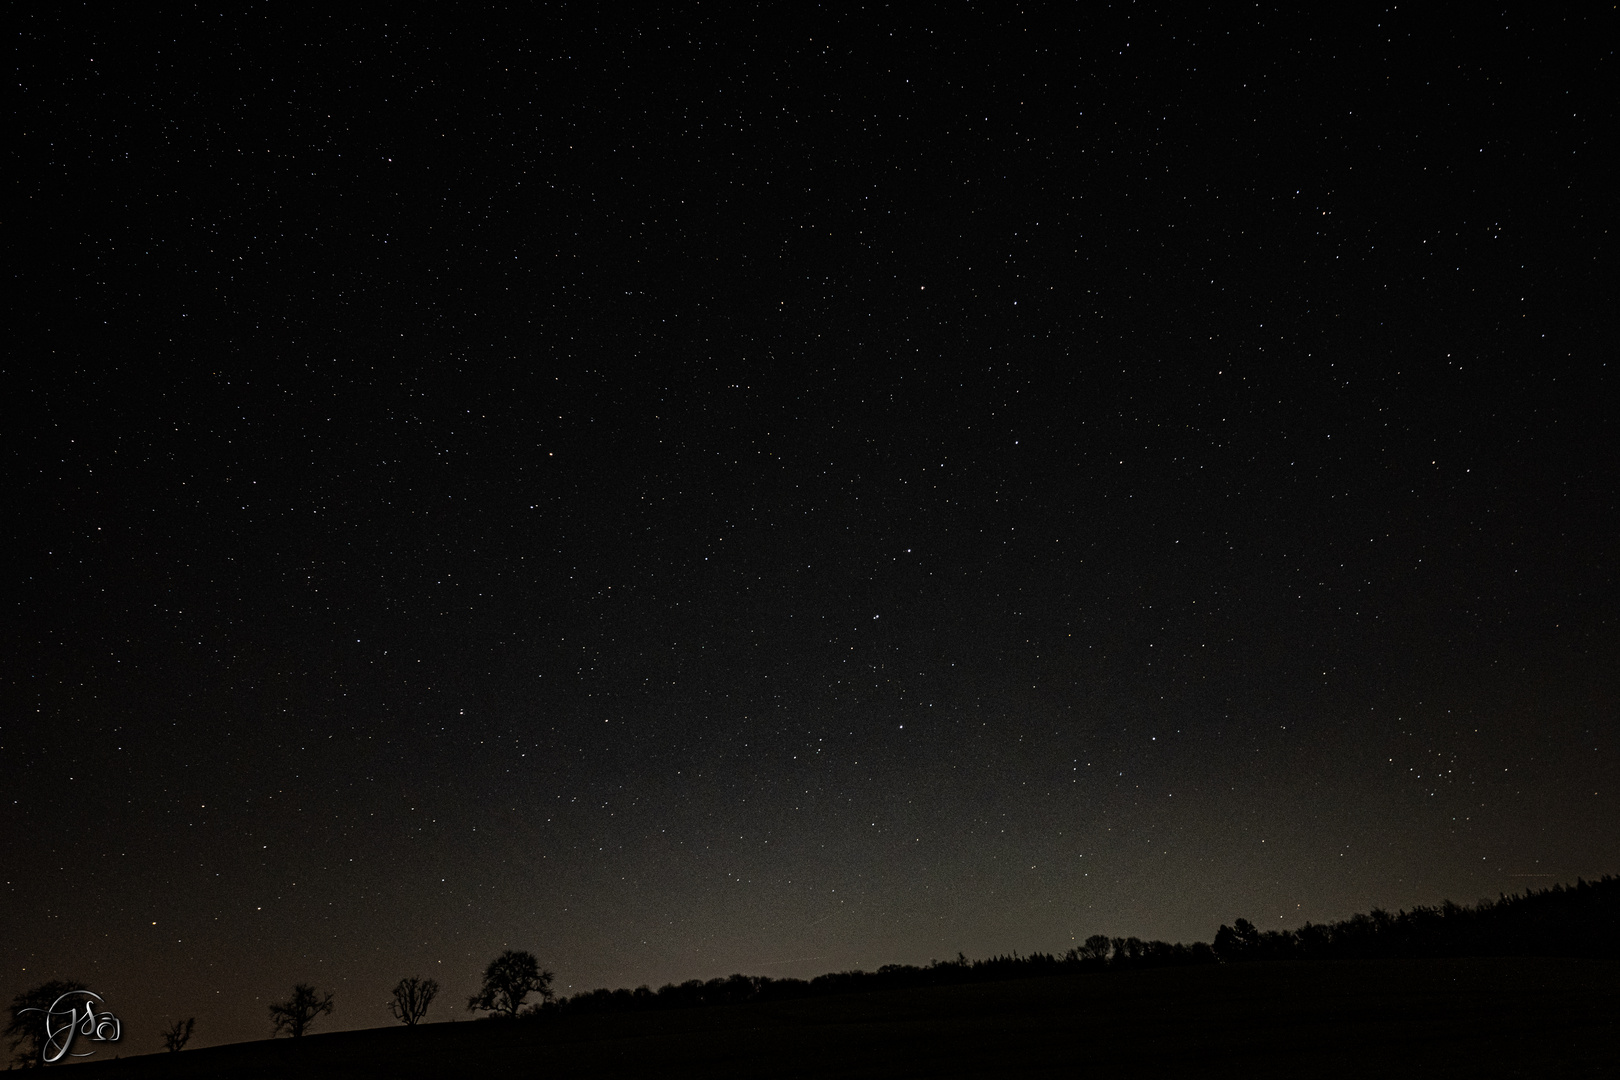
column 297, row 1013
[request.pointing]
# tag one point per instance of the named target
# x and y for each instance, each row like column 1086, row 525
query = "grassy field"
column 1527, row 1017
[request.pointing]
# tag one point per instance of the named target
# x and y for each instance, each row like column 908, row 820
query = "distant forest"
column 1581, row 920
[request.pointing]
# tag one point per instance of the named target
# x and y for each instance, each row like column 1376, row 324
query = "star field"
column 779, row 493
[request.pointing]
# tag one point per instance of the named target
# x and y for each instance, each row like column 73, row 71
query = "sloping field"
column 1528, row 1017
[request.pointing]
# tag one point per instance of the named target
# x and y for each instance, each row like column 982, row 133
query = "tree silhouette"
column 1240, row 941
column 510, row 978
column 26, row 1031
column 1096, row 948
column 412, row 997
column 177, row 1034
column 295, row 1015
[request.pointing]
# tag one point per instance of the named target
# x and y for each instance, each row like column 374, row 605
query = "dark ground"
column 1431, row 1018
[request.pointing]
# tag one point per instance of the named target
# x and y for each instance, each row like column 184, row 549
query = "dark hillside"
column 1577, row 921
column 1582, row 919
column 1432, row 1018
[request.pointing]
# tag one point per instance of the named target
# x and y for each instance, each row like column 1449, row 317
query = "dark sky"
column 781, row 493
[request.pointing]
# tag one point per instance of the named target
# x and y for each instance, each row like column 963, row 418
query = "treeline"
column 1579, row 920
column 1123, row 952
column 1576, row 920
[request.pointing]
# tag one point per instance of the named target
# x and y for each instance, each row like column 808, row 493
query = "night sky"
column 780, row 493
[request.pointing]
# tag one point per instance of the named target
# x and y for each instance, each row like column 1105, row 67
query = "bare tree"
column 295, row 1015
column 511, row 977
column 177, row 1034
column 411, row 999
